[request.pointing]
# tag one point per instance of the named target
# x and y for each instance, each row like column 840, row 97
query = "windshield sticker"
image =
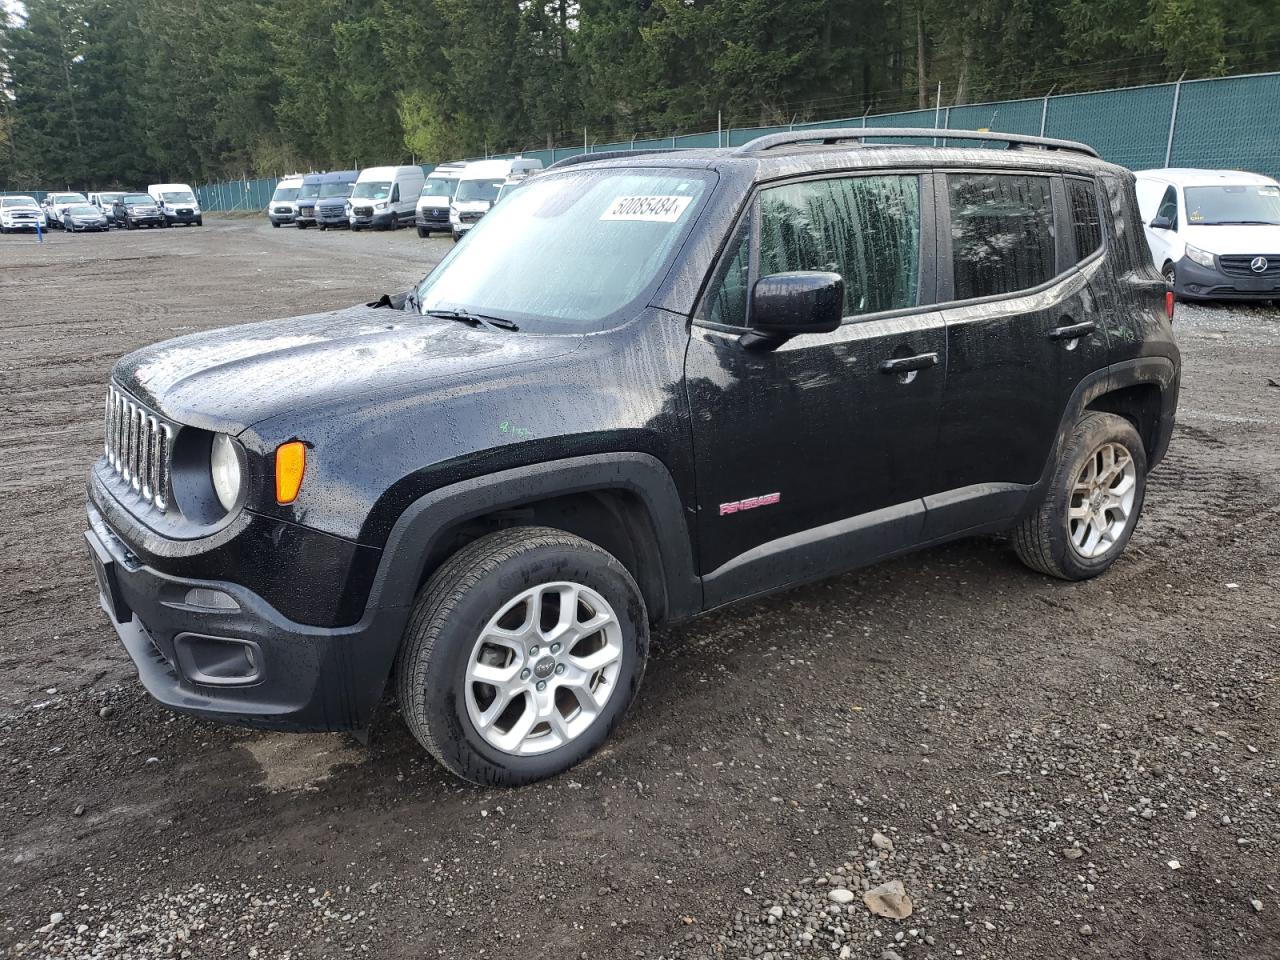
column 653, row 209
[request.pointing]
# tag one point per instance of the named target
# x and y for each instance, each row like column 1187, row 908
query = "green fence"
column 1227, row 122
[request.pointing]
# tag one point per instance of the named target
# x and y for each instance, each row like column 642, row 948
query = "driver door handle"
column 907, row 364
column 1072, row 331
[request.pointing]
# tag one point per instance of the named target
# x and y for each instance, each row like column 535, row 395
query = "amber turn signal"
column 291, row 461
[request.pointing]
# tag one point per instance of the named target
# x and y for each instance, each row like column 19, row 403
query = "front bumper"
column 1195, row 282
column 379, row 218
column 238, row 659
column 182, row 217
column 429, row 221
column 147, row 221
column 22, row 224
column 282, row 217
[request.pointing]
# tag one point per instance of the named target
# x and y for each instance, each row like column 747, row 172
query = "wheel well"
column 1140, row 405
column 611, row 519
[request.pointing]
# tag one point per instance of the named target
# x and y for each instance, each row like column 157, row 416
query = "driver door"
column 814, row 456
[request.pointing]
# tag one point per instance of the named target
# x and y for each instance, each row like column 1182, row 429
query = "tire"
column 1045, row 540
column 1170, row 277
column 276, row 224
column 442, row 643
column 456, row 236
column 301, row 226
column 423, row 232
column 199, row 221
column 355, row 228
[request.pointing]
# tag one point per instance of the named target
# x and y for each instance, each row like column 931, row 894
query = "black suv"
column 642, row 388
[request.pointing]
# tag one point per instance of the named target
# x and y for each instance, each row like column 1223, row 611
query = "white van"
column 384, row 197
column 283, row 207
column 178, row 203
column 1214, row 234
column 437, row 193
column 478, row 190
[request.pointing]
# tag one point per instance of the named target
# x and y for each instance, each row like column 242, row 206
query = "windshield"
column 439, row 187
column 1235, row 203
column 372, row 190
column 83, row 211
column 335, row 189
column 284, row 193
column 309, row 191
column 68, row 198
column 108, row 197
column 137, row 198
column 569, row 252
column 17, row 202
column 178, row 196
column 479, row 189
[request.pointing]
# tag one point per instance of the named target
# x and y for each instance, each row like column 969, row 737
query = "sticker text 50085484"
column 654, row 209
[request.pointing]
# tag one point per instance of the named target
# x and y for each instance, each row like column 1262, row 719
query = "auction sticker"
column 654, row 209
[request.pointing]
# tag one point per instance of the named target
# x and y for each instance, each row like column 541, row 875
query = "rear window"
column 1086, row 223
column 1002, row 233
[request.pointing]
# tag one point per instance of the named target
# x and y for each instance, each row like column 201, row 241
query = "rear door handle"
column 906, row 364
column 1072, row 331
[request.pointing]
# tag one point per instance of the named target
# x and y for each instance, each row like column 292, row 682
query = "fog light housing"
column 218, row 661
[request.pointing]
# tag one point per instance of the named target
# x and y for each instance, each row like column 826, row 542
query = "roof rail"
column 609, row 155
column 1015, row 141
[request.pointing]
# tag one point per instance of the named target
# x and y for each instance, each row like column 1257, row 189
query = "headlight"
column 224, row 465
column 379, row 206
column 1202, row 257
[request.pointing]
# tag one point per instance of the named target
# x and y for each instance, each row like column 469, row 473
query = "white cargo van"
column 437, row 194
column 178, row 203
column 283, row 207
column 384, row 197
column 478, row 190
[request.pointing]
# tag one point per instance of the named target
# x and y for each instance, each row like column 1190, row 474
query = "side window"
column 867, row 229
column 727, row 301
column 1002, row 233
column 1086, row 223
column 1169, row 206
column 395, row 193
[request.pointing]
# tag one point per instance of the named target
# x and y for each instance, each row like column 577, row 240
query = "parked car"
column 106, row 202
column 335, row 187
column 308, row 197
column 643, row 388
column 84, row 218
column 432, row 211
column 133, row 210
column 478, row 190
column 20, row 213
column 177, row 202
column 55, row 204
column 1214, row 234
column 283, row 207
column 384, row 197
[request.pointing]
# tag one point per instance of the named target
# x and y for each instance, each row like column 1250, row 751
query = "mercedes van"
column 1214, row 234
column 477, row 192
column 385, row 197
column 437, row 193
column 283, row 207
column 335, row 187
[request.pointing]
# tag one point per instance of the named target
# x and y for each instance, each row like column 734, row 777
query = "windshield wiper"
column 474, row 319
column 1232, row 223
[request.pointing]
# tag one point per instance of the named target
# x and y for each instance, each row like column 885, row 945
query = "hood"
column 434, row 200
column 472, row 205
column 232, row 378
column 332, row 202
column 1234, row 239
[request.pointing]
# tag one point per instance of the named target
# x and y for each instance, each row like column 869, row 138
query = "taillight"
column 1168, row 303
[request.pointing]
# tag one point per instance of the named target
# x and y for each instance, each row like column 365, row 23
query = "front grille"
column 184, row 213
column 362, row 211
column 138, row 446
column 471, row 216
column 1242, row 265
column 306, row 211
column 282, row 210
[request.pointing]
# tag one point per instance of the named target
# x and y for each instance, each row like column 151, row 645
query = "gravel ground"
column 1047, row 770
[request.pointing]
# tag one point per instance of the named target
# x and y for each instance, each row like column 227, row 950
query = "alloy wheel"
column 1102, row 500
column 543, row 668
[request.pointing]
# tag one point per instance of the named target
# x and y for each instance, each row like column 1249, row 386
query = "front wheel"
column 423, row 232
column 522, row 654
column 1093, row 502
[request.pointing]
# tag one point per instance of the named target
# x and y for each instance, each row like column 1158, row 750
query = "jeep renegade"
column 643, row 387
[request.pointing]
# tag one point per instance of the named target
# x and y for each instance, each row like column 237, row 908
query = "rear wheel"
column 1093, row 502
column 522, row 654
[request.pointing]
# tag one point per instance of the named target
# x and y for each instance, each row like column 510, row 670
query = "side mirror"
column 1161, row 223
column 786, row 304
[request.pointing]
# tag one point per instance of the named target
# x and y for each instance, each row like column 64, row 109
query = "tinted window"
column 1086, row 223
column 867, row 229
column 1002, row 237
column 1169, row 206
column 727, row 302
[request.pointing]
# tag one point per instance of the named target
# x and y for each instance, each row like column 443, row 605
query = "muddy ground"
column 1054, row 770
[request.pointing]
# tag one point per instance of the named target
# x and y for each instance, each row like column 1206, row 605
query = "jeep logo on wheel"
column 1258, row 264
